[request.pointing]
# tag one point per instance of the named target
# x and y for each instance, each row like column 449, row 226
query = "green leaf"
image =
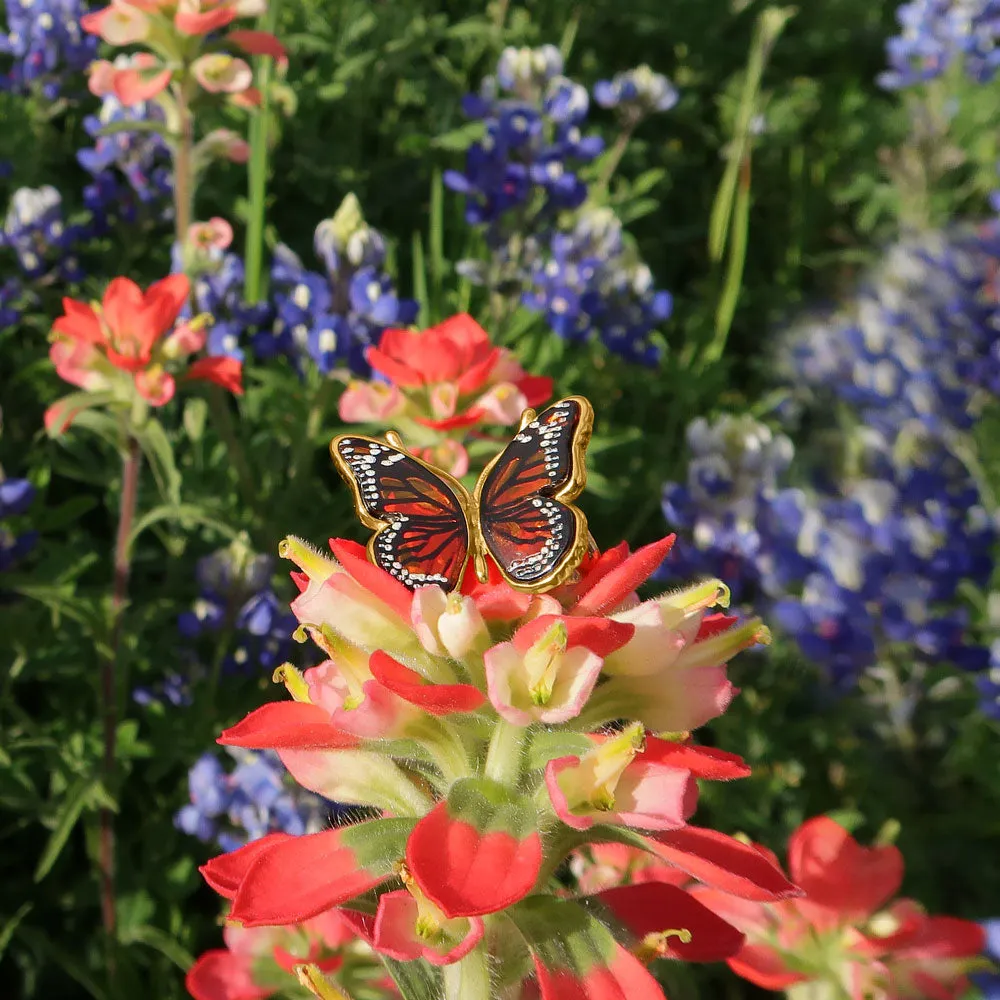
column 546, row 746
column 66, row 961
column 72, row 806
column 415, row 980
column 114, row 128
column 563, row 934
column 195, row 415
column 353, row 67
column 187, row 514
column 460, row 138
column 78, row 403
column 490, row 805
column 156, row 447
column 154, row 938
column 7, row 932
column 55, row 518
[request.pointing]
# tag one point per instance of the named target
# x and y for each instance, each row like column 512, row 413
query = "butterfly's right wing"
column 418, row 515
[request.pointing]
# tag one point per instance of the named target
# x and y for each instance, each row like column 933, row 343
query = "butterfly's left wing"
column 418, row 513
column 526, row 520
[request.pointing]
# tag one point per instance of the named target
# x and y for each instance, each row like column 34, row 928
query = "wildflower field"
column 499, row 501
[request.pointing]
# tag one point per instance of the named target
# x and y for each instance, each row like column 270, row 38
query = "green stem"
column 615, row 155
column 257, row 168
column 503, row 759
column 469, row 979
column 314, row 423
column 222, row 420
column 183, row 167
column 221, row 648
column 131, row 462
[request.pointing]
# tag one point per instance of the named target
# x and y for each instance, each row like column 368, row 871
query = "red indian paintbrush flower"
column 131, row 344
column 250, row 966
column 438, row 384
column 845, row 932
column 483, row 729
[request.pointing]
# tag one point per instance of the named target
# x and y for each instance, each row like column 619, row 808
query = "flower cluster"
column 548, row 249
column 256, row 963
column 591, row 281
column 218, row 284
column 636, row 93
column 167, row 28
column 735, row 467
column 235, row 593
column 45, row 44
column 532, row 141
column 497, row 732
column 938, row 33
column 252, row 800
column 140, row 156
column 845, row 933
column 871, row 559
column 127, row 349
column 333, row 317
column 35, row 230
column 16, row 496
column 436, row 385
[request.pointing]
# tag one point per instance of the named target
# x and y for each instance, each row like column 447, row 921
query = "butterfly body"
column 427, row 525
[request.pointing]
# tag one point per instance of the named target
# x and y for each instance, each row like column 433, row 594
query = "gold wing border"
column 566, row 494
column 376, row 524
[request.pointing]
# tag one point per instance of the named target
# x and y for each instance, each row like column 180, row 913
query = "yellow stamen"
column 314, row 564
column 542, row 661
column 317, row 984
column 430, row 920
column 607, row 763
column 655, row 945
column 293, row 680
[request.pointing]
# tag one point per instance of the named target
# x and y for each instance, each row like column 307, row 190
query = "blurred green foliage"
column 377, row 86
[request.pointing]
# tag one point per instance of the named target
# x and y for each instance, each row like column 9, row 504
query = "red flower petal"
column 475, row 376
column 575, row 956
column 600, row 635
column 498, row 602
column 624, row 978
column 202, row 23
column 702, row 762
column 438, row 699
column 374, row 579
column 223, row 371
column 288, row 725
column 132, row 87
column 655, row 907
column 301, row 877
column 164, row 300
column 80, row 322
column 224, row 975
column 714, row 624
column 257, row 43
column 466, row 419
column 383, row 358
column 720, row 861
column 467, row 872
column 835, row 871
column 763, row 966
column 608, row 591
column 225, row 872
column 536, row 388
column 395, row 933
